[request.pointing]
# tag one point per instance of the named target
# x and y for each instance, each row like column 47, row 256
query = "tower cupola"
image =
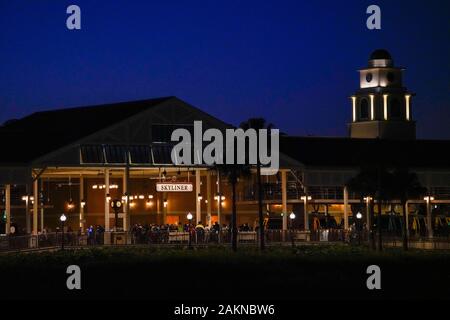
column 381, row 107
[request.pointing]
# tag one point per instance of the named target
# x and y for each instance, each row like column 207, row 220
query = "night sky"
column 292, row 62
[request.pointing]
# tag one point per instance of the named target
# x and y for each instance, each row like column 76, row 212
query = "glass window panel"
column 116, row 154
column 92, row 154
column 140, row 154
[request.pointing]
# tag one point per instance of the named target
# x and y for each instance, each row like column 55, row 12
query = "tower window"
column 364, row 109
column 369, row 77
column 395, row 109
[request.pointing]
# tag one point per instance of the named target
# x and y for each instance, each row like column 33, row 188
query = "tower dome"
column 380, row 54
column 381, row 58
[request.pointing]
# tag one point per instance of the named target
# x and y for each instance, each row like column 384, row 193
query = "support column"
column 41, row 201
column 406, row 212
column 35, row 206
column 305, row 209
column 198, row 210
column 345, row 208
column 284, row 199
column 219, row 200
column 208, row 198
column 165, row 203
column 27, row 209
column 158, row 208
column 429, row 220
column 126, row 207
column 82, row 223
column 368, row 222
column 105, row 200
column 8, row 208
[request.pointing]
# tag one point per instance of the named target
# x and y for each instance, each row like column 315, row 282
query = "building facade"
column 76, row 161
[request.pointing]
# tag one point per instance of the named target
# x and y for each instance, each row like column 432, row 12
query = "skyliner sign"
column 174, row 187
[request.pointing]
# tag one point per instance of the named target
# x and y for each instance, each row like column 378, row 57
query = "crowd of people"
column 141, row 233
column 160, row 233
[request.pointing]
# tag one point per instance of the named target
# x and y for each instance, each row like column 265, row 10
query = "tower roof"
column 380, row 58
column 380, row 54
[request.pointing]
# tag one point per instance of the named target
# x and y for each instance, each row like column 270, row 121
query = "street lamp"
column 116, row 205
column 189, row 217
column 359, row 225
column 305, row 206
column 428, row 200
column 63, row 219
column 292, row 217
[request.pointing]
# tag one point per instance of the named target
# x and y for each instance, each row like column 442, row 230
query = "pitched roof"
column 25, row 139
column 351, row 152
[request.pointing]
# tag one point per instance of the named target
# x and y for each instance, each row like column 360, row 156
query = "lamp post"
column 63, row 219
column 189, row 217
column 305, row 206
column 428, row 200
column 292, row 217
column 116, row 205
column 359, row 226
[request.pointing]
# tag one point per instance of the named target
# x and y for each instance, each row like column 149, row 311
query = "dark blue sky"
column 292, row 62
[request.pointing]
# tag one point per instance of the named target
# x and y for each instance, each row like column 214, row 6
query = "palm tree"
column 405, row 185
column 258, row 124
column 233, row 172
column 373, row 180
column 365, row 185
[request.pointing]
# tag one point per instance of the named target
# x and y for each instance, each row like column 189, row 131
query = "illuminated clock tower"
column 381, row 108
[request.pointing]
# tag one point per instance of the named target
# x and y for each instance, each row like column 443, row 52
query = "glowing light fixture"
column 385, row 97
column 372, row 112
column 408, row 110
column 70, row 205
column 354, row 108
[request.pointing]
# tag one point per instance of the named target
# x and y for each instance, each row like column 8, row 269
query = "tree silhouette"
column 258, row 124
